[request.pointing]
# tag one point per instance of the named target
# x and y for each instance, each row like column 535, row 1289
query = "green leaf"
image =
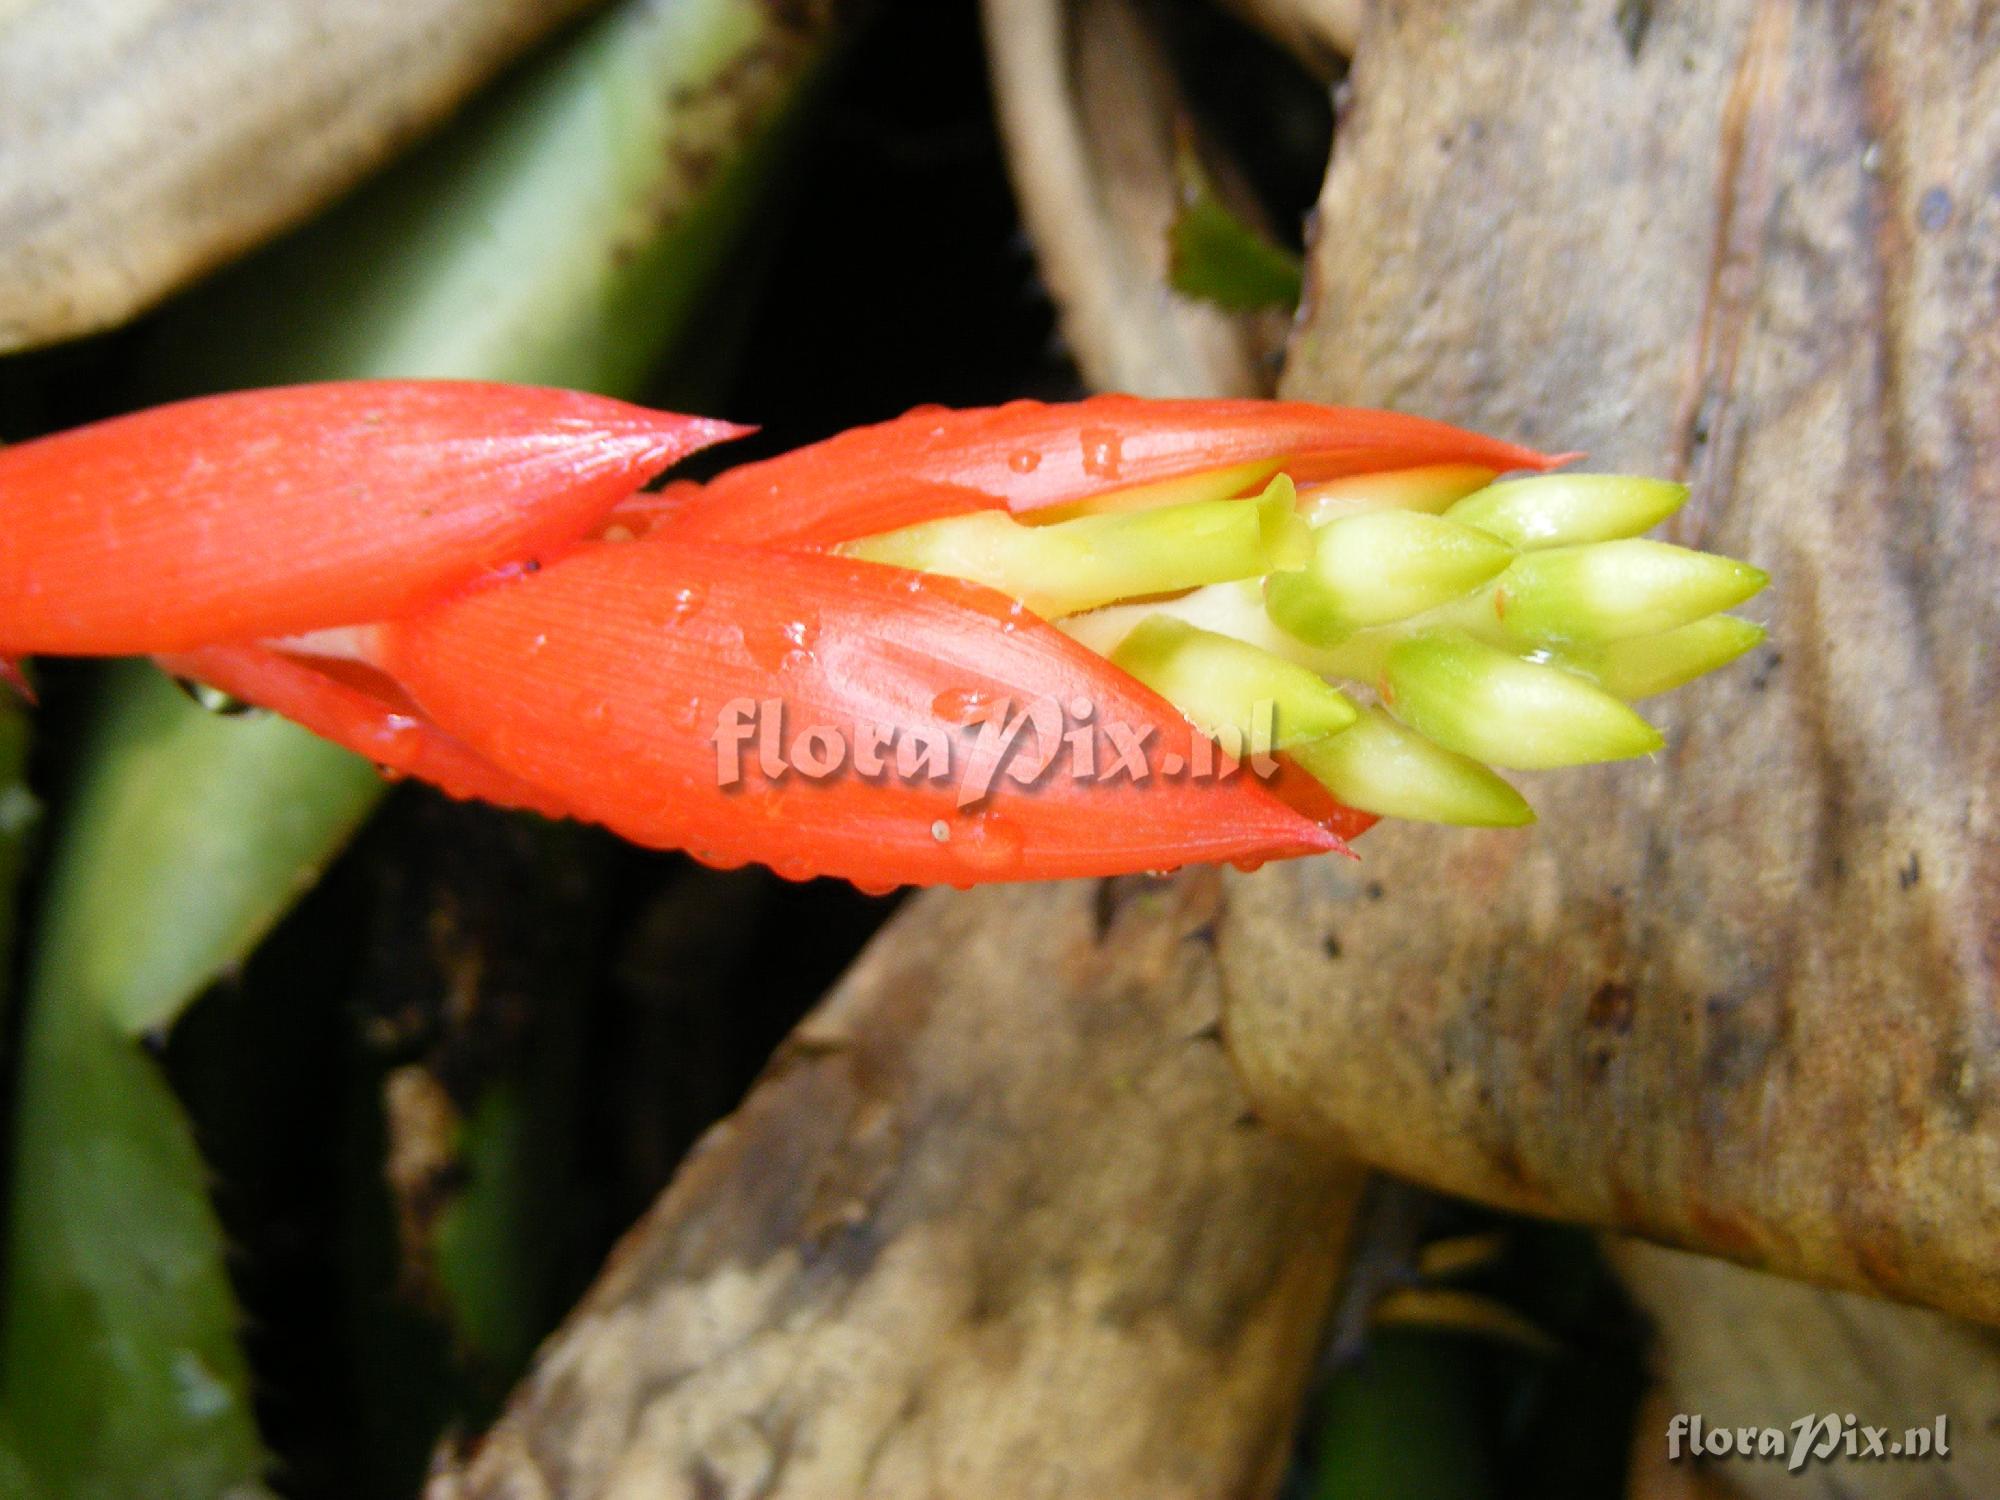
column 123, row 1375
column 1215, row 257
column 186, row 836
column 566, row 232
column 243, row 810
column 19, row 813
column 1403, row 1423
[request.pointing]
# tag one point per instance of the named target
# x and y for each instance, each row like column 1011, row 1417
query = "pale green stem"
column 1229, row 483
column 1431, row 489
column 1072, row 566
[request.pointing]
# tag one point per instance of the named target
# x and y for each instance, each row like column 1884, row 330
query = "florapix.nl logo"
column 983, row 740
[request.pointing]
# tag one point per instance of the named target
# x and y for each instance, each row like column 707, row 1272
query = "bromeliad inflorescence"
column 1022, row 642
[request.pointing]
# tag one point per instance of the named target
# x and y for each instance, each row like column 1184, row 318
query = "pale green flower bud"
column 1556, row 510
column 1231, row 690
column 1480, row 701
column 1379, row 766
column 1379, row 567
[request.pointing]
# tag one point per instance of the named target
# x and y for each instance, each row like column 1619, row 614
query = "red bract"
column 610, row 680
column 607, row 676
column 1028, row 455
column 272, row 512
column 369, row 715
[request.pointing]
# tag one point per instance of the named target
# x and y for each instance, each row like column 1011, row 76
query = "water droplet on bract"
column 213, row 700
column 769, row 648
column 927, row 409
column 1102, row 452
column 874, row 887
column 687, row 601
column 521, row 568
column 961, row 705
column 797, row 661
column 792, row 869
column 1024, row 460
column 1248, row 866
column 990, row 843
column 941, row 831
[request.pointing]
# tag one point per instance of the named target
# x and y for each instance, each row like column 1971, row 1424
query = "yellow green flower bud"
column 1649, row 664
column 1555, row 510
column 1379, row 766
column 1480, row 701
column 1612, row 591
column 1229, row 689
column 1378, row 567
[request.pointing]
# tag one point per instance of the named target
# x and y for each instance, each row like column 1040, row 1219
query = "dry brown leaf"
column 1743, row 1349
column 1653, row 1476
column 1742, row 997
column 144, row 141
column 995, row 1223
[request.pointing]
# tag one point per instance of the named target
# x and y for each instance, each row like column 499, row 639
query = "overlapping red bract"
column 268, row 513
column 515, row 661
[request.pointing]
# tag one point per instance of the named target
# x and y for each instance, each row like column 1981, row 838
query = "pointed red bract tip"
column 274, row 512
column 1306, row 796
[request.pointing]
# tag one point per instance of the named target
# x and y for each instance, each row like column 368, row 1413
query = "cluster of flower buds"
column 1481, row 623
column 1029, row 641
